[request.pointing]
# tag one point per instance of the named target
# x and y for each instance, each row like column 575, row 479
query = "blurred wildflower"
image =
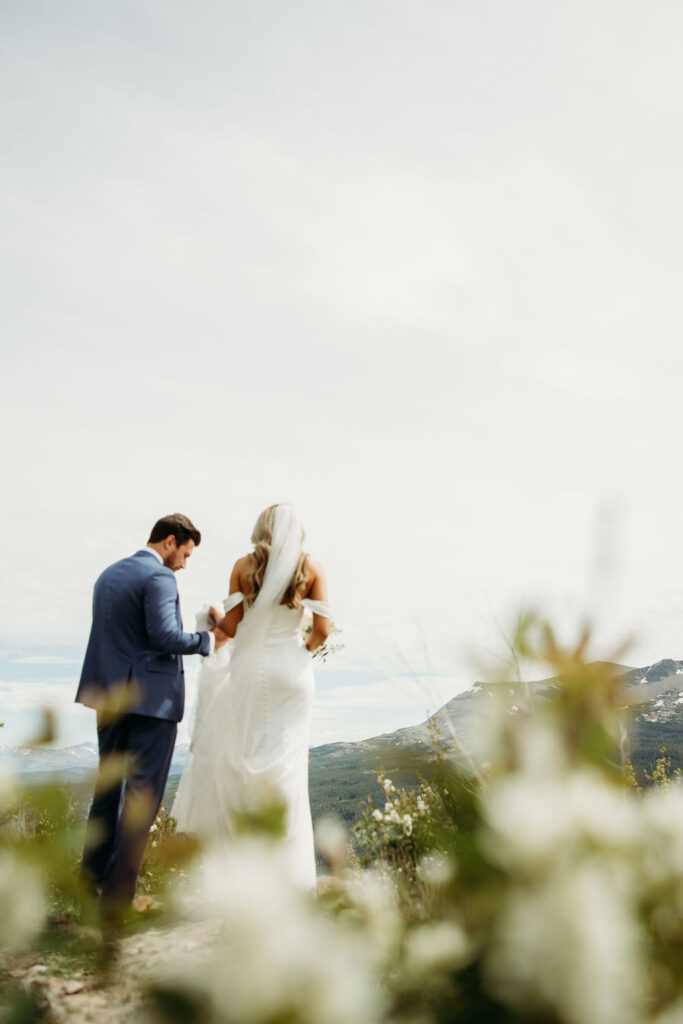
column 433, row 947
column 279, row 958
column 22, row 902
column 436, row 869
column 332, row 841
column 568, row 943
column 535, row 820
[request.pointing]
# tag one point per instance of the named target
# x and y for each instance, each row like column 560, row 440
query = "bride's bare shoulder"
column 315, row 578
column 313, row 568
column 241, row 571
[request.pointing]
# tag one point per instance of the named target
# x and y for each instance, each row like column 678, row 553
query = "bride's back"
column 246, row 566
column 307, row 583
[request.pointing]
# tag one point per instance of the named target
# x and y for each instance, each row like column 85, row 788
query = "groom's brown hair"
column 177, row 525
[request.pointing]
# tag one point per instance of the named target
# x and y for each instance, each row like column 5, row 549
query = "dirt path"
column 82, row 996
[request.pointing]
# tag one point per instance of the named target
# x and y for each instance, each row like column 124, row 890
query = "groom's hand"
column 221, row 638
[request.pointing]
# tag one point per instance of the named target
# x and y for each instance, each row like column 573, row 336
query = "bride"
column 250, row 736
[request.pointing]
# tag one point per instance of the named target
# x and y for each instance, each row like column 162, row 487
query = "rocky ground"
column 113, row 995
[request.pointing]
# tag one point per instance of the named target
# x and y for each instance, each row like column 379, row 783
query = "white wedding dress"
column 251, row 729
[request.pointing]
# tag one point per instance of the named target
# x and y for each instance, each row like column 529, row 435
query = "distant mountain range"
column 75, row 762
column 654, row 693
column 342, row 774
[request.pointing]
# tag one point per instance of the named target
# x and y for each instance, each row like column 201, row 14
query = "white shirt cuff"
column 212, row 642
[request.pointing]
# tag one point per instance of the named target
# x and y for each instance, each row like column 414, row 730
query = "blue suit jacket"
column 137, row 634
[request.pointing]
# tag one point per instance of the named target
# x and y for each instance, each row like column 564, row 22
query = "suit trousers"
column 135, row 757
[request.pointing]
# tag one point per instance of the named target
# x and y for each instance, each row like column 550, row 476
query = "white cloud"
column 424, row 694
column 19, row 695
column 593, row 377
column 381, row 295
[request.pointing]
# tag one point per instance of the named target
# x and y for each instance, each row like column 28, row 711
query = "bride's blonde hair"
column 261, row 538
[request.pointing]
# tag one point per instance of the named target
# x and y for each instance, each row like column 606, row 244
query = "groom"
column 133, row 676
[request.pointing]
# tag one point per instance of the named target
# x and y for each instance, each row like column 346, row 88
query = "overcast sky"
column 414, row 267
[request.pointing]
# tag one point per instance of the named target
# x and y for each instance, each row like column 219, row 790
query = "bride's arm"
column 317, row 592
column 231, row 621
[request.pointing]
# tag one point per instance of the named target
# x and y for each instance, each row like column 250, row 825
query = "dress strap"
column 232, row 601
column 321, row 608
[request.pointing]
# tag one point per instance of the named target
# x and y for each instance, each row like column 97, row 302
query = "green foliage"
column 400, row 833
column 645, row 741
column 167, row 857
column 42, row 827
column 630, row 777
column 662, row 774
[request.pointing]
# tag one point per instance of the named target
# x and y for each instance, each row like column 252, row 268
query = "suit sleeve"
column 164, row 634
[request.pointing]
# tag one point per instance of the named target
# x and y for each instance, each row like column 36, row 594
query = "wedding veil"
column 285, row 550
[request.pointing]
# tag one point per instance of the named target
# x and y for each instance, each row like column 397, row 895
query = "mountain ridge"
column 344, row 772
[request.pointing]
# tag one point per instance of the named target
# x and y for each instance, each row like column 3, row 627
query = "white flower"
column 22, row 910
column 533, row 820
column 374, row 896
column 569, row 945
column 377, row 814
column 421, row 806
column 536, row 743
column 388, row 786
column 602, row 813
column 527, row 821
column 246, row 881
column 280, row 958
column 539, row 748
column 153, row 828
column 331, row 838
column 434, row 947
column 407, row 825
column 435, row 869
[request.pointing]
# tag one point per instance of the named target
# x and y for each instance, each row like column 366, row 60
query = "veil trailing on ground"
column 240, row 754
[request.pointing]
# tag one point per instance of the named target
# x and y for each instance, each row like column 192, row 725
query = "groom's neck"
column 157, row 552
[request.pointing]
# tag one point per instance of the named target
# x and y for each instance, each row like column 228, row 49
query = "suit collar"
column 152, row 552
